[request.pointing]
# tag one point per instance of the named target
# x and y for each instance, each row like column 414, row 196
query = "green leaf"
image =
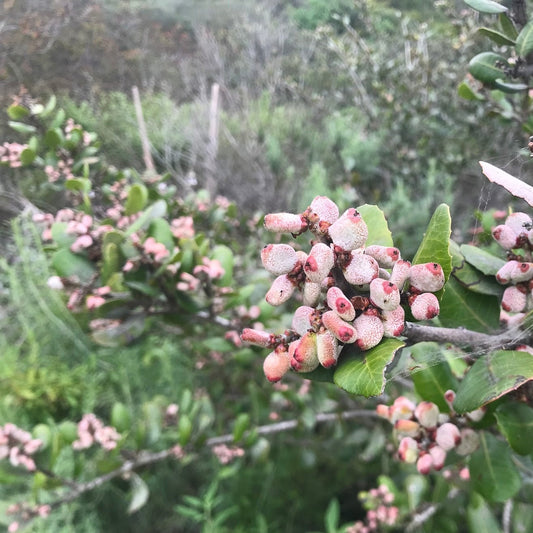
column 160, row 230
column 60, row 235
column 487, row 67
column 49, row 107
column 431, row 373
column 242, row 423
column 27, row 156
column 121, row 335
column 510, row 88
column 111, row 261
column 515, row 421
column 156, row 210
column 507, row 26
column 137, row 199
column 479, row 516
column 378, row 229
column 58, row 119
column 492, row 471
column 496, row 36
column 332, row 516
column 486, row 6
column 140, row 493
column 53, row 138
column 20, row 127
column 492, row 376
column 522, row 517
column 524, row 41
column 120, row 417
column 416, row 489
column 461, row 307
column 363, row 373
column 17, row 112
column 465, row 91
column 184, row 429
column 67, row 264
column 488, row 264
column 82, row 185
column 225, row 255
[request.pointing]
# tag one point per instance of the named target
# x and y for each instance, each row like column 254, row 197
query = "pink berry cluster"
column 91, row 430
column 18, row 445
column 25, row 513
column 351, row 293
column 10, row 154
column 426, row 435
column 380, row 511
column 516, row 237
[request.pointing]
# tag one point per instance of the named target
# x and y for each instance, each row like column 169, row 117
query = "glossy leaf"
column 488, row 264
column 53, row 138
column 27, row 156
column 487, row 67
column 137, row 199
column 363, row 373
column 507, row 26
column 465, row 91
column 68, row 264
column 508, row 87
column 111, row 261
column 492, row 471
column 160, row 230
column 515, row 421
column 224, row 254
column 513, row 185
column 486, row 6
column 524, row 41
column 492, row 376
column 82, row 185
column 20, row 127
column 60, row 235
column 378, row 229
column 496, row 36
column 140, row 493
column 17, row 112
column 156, row 210
column 479, row 516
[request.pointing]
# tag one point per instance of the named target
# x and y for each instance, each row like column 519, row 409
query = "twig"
column 506, row 518
column 147, row 154
column 425, row 514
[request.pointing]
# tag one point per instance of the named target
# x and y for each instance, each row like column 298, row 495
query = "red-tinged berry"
column 325, row 210
column 424, row 306
column 285, row 223
column 505, row 236
column 281, row 290
column 386, row 256
column 327, row 349
column 338, row 302
column 521, row 272
column 448, row 436
column 276, row 365
column 384, row 294
column 342, row 330
column 369, row 331
column 301, row 320
column 383, row 411
column 503, row 275
column 350, row 231
column 427, row 413
column 361, row 269
column 305, row 348
column 258, row 337
column 523, row 348
column 308, row 364
column 402, row 407
column 427, row 277
column 407, row 428
column 439, row 457
column 400, row 272
column 319, row 262
column 279, row 258
column 519, row 222
column 393, row 322
column 514, row 299
column 424, row 464
column 311, row 293
column 408, row 450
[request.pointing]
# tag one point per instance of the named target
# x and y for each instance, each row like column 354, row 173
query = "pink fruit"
column 519, row 222
column 384, row 294
column 279, row 258
column 408, row 450
column 361, row 270
column 386, row 256
column 324, row 209
column 393, row 322
column 427, row 277
column 327, row 347
column 342, row 330
column 301, row 320
column 370, row 331
column 505, row 236
column 285, row 223
column 448, row 436
column 338, row 302
column 400, row 273
column 319, row 262
column 311, row 293
column 349, row 231
column 305, row 349
column 427, row 413
column 280, row 291
column 514, row 299
column 276, row 364
column 258, row 337
column 424, row 464
column 424, row 306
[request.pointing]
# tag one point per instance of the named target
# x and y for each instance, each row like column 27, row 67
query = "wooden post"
column 147, row 154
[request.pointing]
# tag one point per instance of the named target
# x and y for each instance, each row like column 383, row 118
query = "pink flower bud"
column 439, row 457
column 258, row 337
column 285, row 223
column 342, row 330
column 424, row 464
column 427, row 413
column 301, row 320
column 386, row 256
column 424, row 306
column 311, row 293
column 384, row 294
column 402, row 407
column 278, row 258
column 276, row 365
column 309, row 361
column 505, row 236
column 370, row 331
column 349, row 231
column 326, row 345
column 448, row 436
column 280, row 291
column 519, row 222
column 305, row 348
column 427, row 277
column 400, row 273
column 82, row 242
column 325, row 209
column 338, row 302
column 407, row 428
column 464, row 474
column 319, row 262
column 514, row 299
column 449, row 398
column 408, row 450
column 382, row 410
column 393, row 322
column 361, row 270
column 469, row 442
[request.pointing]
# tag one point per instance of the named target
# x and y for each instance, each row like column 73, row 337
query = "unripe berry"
column 407, row 428
column 424, row 464
column 519, row 222
column 305, row 349
column 505, row 236
column 393, row 322
column 427, row 413
column 469, row 442
column 338, row 302
column 514, row 299
column 349, row 231
column 439, row 457
column 276, row 365
column 448, row 436
column 325, row 209
column 383, row 411
column 408, row 450
column 361, row 270
column 342, row 330
column 309, row 362
column 386, row 256
column 279, row 258
column 311, row 293
column 280, row 291
column 301, row 320
column 400, row 273
column 402, row 407
column 285, row 223
column 424, row 306
column 258, row 337
column 327, row 346
column 319, row 262
column 427, row 277
column 369, row 330
column 384, row 294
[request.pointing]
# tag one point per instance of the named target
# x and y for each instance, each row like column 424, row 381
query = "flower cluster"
column 426, row 435
column 10, row 154
column 226, row 454
column 91, row 430
column 25, row 512
column 18, row 445
column 380, row 511
column 351, row 292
